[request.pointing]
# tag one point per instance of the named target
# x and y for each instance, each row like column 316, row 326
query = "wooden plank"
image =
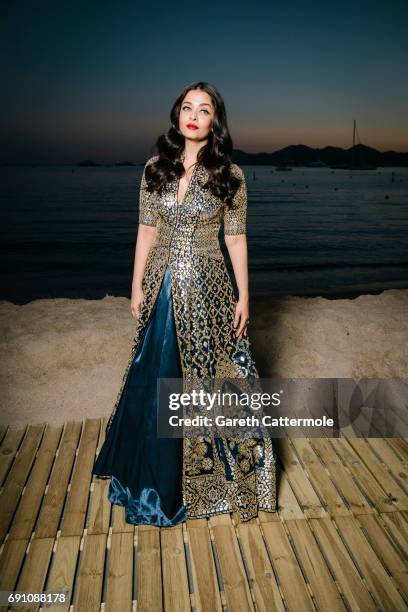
column 377, row 578
column 290, row 576
column 386, row 550
column 174, row 568
column 8, row 449
column 397, row 527
column 342, row 566
column 364, row 477
column 399, row 446
column 305, row 493
column 99, row 515
column 261, row 576
column 380, row 472
column 397, row 466
column 149, row 575
column 30, row 501
column 120, row 572
column 118, row 519
column 77, row 501
column 204, row 573
column 35, row 568
column 11, row 560
column 340, row 475
column 323, row 587
column 17, row 476
column 3, row 431
column 100, row 507
column 51, row 510
column 236, row 588
column 63, row 566
column 287, row 503
column 319, row 477
column 88, row 586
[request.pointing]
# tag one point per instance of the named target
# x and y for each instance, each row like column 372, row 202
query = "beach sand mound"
column 63, row 359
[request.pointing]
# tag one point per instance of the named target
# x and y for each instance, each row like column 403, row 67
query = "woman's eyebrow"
column 202, row 103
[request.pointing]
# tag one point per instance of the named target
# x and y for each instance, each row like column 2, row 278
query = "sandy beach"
column 63, row 359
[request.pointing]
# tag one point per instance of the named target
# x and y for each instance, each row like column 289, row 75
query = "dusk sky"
column 97, row 79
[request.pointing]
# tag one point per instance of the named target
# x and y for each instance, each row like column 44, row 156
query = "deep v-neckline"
column 180, row 202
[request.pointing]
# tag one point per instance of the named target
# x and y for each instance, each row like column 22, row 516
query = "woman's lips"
column 191, row 126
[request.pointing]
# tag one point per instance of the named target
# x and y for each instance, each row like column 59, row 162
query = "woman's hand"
column 241, row 317
column 136, row 302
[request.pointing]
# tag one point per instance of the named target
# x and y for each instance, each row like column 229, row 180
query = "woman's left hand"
column 241, row 317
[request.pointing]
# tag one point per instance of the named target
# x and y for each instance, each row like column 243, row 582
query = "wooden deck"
column 338, row 542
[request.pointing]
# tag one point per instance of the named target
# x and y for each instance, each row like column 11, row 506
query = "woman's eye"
column 203, row 109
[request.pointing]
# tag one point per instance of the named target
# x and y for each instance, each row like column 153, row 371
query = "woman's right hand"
column 136, row 302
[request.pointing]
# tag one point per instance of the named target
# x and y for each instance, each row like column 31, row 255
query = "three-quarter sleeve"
column 235, row 217
column 147, row 201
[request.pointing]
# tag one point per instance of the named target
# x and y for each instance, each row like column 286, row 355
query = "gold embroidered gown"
column 218, row 474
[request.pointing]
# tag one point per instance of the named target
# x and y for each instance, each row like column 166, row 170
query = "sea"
column 70, row 231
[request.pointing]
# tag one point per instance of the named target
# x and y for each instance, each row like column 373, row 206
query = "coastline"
column 63, row 359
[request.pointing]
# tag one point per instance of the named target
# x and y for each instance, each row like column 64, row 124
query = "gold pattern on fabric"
column 221, row 474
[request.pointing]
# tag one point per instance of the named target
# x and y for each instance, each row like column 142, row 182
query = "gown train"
column 146, row 471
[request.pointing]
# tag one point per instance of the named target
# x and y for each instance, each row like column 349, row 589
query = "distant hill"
column 301, row 155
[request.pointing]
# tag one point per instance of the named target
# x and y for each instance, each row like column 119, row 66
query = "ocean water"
column 71, row 231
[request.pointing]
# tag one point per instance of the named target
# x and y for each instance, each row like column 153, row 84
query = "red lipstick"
column 192, row 126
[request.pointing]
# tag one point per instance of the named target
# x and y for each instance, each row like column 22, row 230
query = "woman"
column 190, row 327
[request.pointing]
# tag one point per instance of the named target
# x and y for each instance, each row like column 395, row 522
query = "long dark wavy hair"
column 215, row 156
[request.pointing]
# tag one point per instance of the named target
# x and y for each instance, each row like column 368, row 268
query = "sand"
column 63, row 359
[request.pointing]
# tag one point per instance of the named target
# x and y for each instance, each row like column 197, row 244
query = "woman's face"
column 196, row 115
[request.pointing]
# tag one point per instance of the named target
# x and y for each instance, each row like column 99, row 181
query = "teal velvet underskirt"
column 146, row 471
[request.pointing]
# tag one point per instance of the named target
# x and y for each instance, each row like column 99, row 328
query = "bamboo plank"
column 88, row 586
column 204, row 573
column 290, row 576
column 51, row 510
column 149, row 575
column 377, row 578
column 261, row 576
column 30, row 501
column 9, row 446
column 319, row 477
column 62, row 571
column 17, row 476
column 76, row 505
column 346, row 574
column 120, row 572
column 174, row 568
column 236, row 588
column 304, row 491
column 386, row 551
